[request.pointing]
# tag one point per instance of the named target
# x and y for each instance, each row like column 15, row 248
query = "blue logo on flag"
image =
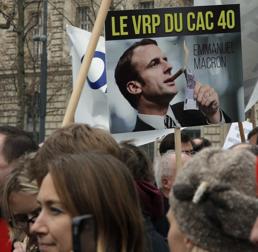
column 99, row 71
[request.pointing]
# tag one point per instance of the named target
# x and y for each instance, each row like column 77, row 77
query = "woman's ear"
column 165, row 183
column 188, row 243
column 134, row 87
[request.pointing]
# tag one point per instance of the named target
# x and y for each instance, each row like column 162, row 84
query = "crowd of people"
column 135, row 204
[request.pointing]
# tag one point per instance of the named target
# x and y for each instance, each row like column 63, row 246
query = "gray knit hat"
column 213, row 200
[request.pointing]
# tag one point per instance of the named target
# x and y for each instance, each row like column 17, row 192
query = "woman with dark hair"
column 90, row 183
column 151, row 200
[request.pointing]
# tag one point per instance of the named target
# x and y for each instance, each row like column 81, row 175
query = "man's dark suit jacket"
column 186, row 118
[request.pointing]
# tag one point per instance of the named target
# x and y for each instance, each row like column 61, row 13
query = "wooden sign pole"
column 241, row 131
column 178, row 148
column 253, row 116
column 84, row 69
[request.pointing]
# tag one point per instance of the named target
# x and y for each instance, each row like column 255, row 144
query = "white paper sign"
column 233, row 136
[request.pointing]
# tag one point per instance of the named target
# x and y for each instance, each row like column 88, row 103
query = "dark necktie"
column 168, row 122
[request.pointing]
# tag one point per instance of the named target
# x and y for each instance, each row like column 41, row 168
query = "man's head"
column 199, row 143
column 214, row 200
column 143, row 73
column 14, row 142
column 137, row 161
column 166, row 170
column 168, row 143
column 187, row 146
column 253, row 136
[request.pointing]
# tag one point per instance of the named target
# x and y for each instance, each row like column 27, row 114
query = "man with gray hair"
column 165, row 174
column 165, row 171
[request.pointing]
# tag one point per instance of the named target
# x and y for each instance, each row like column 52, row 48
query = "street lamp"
column 43, row 75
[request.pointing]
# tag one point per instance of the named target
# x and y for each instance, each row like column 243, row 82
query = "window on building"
column 83, row 18
column 193, row 132
column 146, row 5
column 37, row 30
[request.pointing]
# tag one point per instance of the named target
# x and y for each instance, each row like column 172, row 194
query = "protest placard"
column 194, row 45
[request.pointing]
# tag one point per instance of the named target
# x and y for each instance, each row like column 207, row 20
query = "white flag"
column 253, row 98
column 92, row 108
column 233, row 136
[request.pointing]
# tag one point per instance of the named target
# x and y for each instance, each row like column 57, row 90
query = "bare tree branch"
column 8, row 16
column 60, row 12
column 77, row 3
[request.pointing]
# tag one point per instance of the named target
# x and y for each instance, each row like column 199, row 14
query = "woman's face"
column 23, row 206
column 176, row 239
column 53, row 225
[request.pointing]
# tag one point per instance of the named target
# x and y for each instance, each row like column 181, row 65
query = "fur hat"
column 213, row 200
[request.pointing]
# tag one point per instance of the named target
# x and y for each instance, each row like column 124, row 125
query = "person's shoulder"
column 177, row 106
column 141, row 125
column 156, row 242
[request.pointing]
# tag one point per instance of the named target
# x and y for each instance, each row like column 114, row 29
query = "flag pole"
column 178, row 148
column 241, row 131
column 84, row 69
column 253, row 116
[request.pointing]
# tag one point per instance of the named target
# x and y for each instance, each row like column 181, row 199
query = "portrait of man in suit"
column 144, row 77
